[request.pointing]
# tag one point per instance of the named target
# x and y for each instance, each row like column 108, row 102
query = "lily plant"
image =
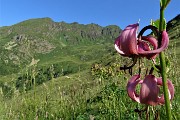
column 133, row 45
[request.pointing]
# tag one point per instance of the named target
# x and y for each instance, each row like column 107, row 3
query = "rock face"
column 19, row 37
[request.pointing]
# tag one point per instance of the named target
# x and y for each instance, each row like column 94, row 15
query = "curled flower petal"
column 131, row 88
column 142, row 49
column 117, row 44
column 149, row 90
column 151, row 40
column 164, row 44
column 126, row 43
column 170, row 90
column 143, row 46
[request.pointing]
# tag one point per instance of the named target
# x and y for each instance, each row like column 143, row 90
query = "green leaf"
column 156, row 23
column 157, row 68
column 164, row 3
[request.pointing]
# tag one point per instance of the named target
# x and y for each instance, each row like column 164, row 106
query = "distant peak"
column 36, row 21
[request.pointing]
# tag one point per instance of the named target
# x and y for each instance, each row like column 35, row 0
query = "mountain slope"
column 173, row 28
column 49, row 41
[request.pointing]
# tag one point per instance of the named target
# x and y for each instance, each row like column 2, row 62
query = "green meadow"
column 60, row 71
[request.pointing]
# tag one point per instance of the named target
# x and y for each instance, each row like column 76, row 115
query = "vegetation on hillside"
column 44, row 39
column 56, row 70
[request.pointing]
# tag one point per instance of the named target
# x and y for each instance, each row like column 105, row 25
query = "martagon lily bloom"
column 149, row 90
column 127, row 44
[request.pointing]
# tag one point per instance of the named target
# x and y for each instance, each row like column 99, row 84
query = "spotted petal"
column 143, row 47
column 164, row 44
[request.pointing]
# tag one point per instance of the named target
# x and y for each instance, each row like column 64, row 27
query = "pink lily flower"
column 149, row 91
column 127, row 44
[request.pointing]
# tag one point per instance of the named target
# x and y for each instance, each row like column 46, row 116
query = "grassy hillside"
column 173, row 28
column 52, row 71
column 51, row 42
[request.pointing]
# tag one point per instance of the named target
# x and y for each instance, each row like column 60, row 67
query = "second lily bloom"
column 149, row 90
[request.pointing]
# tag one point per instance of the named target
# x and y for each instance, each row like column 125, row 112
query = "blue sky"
column 102, row 12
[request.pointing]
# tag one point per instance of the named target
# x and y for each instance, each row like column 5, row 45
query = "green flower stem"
column 163, row 70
